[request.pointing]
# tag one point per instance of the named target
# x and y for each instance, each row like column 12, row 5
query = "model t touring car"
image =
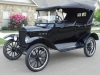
column 61, row 28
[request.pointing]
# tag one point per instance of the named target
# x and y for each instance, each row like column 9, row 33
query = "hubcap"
column 14, row 49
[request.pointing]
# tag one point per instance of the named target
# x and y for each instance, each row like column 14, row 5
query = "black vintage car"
column 61, row 28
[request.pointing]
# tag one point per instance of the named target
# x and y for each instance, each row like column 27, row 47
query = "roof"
column 70, row 5
column 19, row 2
column 46, row 3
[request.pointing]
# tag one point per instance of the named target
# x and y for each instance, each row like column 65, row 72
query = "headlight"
column 15, row 38
column 26, row 38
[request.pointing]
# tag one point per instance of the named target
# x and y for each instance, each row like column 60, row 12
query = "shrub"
column 97, row 15
column 17, row 21
column 4, row 28
column 96, row 23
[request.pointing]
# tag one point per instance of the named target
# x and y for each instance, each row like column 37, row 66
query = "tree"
column 97, row 15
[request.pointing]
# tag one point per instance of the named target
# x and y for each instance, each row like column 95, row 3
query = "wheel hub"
column 14, row 49
column 90, row 46
column 37, row 57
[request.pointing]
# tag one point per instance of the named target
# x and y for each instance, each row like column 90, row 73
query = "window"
column 84, row 14
column 6, row 18
column 46, row 17
column 24, row 13
column 79, row 15
column 35, row 14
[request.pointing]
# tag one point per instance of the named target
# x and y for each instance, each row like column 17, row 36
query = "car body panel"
column 11, row 36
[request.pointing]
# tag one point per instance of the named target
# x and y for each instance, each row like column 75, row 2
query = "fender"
column 87, row 35
column 42, row 40
column 11, row 36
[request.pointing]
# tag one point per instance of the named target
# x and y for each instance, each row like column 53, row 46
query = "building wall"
column 17, row 9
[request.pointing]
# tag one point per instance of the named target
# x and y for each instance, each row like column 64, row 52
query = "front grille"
column 22, row 35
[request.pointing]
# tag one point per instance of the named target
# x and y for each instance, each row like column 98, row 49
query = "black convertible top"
column 70, row 5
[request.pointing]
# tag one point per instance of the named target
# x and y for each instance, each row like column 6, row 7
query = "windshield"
column 46, row 17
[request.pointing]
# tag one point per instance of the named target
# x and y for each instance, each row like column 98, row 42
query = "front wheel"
column 90, row 47
column 11, row 50
column 37, row 57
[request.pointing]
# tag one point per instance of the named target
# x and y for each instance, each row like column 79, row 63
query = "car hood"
column 35, row 28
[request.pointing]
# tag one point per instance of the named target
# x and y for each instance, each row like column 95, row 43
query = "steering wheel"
column 59, row 18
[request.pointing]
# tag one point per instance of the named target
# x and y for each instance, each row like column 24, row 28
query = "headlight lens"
column 15, row 38
column 26, row 38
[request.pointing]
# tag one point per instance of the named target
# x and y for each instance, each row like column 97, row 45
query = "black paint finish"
column 71, row 29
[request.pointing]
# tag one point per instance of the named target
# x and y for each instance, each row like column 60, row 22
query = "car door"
column 52, row 34
column 81, row 29
column 64, row 31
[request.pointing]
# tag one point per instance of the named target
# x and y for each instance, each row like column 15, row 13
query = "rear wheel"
column 37, row 57
column 11, row 50
column 90, row 47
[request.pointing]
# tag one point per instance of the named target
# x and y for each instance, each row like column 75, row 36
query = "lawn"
column 96, row 31
column 2, row 41
column 8, row 31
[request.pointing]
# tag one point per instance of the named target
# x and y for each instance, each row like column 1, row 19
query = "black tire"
column 37, row 57
column 90, row 47
column 11, row 50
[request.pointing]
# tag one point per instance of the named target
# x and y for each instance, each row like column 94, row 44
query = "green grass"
column 8, row 31
column 96, row 26
column 2, row 41
column 96, row 31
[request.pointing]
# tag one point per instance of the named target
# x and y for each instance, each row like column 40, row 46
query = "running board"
column 68, row 46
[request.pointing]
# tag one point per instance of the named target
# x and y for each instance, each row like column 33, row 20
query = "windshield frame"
column 57, row 19
column 38, row 15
